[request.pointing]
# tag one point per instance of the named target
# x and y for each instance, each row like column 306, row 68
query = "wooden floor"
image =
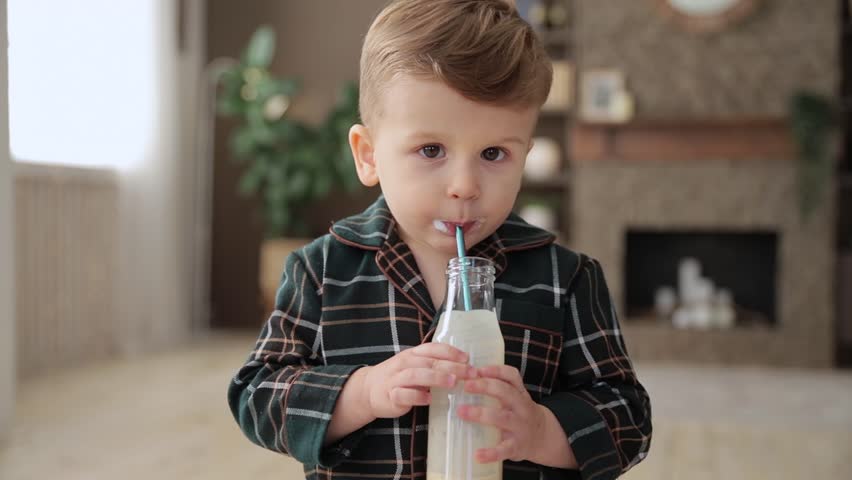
column 165, row 417
column 159, row 417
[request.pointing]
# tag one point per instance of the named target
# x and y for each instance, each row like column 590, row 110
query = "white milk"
column 452, row 441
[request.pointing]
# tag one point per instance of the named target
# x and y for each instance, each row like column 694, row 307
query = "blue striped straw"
column 465, row 286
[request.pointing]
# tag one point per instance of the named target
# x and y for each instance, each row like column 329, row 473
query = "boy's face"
column 443, row 160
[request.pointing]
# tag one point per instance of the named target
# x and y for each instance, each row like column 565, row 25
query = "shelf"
column 562, row 114
column 737, row 138
column 557, row 184
column 554, row 38
column 556, row 123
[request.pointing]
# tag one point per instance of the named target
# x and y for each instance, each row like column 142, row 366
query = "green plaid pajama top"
column 354, row 297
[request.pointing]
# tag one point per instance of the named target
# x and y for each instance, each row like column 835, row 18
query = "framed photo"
column 604, row 98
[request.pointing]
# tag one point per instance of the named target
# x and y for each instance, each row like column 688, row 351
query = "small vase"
column 543, row 160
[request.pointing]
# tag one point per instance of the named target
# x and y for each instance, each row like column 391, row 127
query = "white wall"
column 7, row 265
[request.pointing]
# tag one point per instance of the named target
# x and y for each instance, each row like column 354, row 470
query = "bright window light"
column 82, row 81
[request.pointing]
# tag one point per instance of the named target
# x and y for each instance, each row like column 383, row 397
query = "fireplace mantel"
column 739, row 138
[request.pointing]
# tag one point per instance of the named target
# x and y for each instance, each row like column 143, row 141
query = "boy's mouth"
column 449, row 228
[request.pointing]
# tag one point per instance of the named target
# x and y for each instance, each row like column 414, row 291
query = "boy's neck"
column 432, row 266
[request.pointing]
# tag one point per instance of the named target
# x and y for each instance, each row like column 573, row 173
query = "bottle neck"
column 474, row 274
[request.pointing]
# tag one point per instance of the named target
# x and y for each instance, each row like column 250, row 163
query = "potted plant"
column 813, row 120
column 289, row 164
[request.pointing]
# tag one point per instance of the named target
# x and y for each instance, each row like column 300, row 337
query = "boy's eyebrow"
column 512, row 140
column 429, row 135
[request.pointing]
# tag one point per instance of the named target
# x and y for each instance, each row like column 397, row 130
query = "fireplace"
column 740, row 220
column 740, row 266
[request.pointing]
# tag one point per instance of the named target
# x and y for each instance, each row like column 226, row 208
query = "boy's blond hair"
column 480, row 48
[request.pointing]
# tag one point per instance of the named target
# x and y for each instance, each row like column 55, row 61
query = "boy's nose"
column 463, row 184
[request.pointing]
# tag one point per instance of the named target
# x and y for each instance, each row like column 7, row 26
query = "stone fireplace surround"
column 740, row 186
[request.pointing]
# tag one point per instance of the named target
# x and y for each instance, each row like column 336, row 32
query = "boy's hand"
column 520, row 419
column 392, row 387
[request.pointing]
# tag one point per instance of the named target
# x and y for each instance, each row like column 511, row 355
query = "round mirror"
column 707, row 15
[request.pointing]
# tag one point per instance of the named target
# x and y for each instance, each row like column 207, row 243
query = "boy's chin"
column 447, row 244
column 445, row 247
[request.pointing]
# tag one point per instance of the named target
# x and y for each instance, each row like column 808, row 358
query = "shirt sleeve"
column 604, row 410
column 283, row 396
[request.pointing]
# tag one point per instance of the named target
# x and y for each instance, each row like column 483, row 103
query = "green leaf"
column 346, row 169
column 279, row 217
column 252, row 179
column 288, row 86
column 242, row 142
column 269, row 86
column 298, row 183
column 261, row 48
column 229, row 106
column 261, row 131
column 305, row 156
column 812, row 120
column 322, row 186
column 276, row 175
column 285, row 130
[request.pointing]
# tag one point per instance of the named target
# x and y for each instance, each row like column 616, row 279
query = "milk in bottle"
column 453, row 441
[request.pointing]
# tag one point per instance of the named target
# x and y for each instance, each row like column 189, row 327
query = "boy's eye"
column 493, row 154
column 431, row 151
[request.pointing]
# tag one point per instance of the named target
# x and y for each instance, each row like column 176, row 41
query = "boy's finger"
column 503, row 451
column 415, row 361
column 423, row 377
column 440, row 351
column 487, row 455
column 496, row 417
column 410, row 396
column 506, row 393
column 506, row 448
column 460, row 370
column 506, row 373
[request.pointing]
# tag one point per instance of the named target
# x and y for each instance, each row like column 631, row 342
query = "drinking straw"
column 465, row 286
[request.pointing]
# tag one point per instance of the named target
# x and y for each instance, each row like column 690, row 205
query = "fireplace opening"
column 701, row 279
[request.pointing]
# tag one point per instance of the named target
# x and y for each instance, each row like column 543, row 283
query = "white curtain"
column 128, row 105
column 163, row 227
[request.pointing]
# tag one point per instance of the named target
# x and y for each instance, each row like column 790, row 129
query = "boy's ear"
column 362, row 151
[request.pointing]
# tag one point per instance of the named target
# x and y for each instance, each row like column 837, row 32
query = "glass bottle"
column 453, row 441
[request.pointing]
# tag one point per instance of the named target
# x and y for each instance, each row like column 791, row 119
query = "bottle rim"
column 471, row 265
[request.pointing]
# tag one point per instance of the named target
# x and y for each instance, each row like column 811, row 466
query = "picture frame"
column 604, row 98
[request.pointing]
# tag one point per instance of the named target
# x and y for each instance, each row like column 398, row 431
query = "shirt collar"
column 375, row 227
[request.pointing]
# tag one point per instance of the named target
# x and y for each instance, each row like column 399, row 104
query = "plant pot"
column 273, row 255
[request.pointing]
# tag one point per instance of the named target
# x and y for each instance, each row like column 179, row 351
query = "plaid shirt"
column 354, row 297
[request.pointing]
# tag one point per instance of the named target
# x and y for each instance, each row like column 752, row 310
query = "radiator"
column 65, row 268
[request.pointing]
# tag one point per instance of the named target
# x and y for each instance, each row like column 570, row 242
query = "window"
column 83, row 81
